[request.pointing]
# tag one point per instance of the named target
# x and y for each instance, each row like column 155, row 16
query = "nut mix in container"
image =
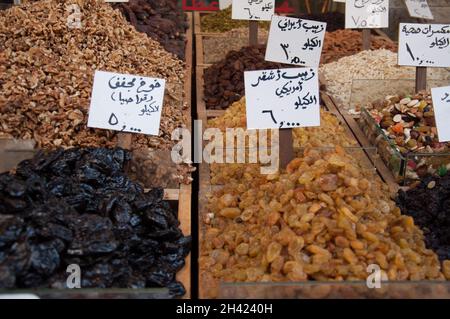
column 161, row 20
column 79, row 207
column 409, row 125
column 325, row 218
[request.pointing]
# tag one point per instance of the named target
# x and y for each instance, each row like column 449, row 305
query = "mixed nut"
column 409, row 125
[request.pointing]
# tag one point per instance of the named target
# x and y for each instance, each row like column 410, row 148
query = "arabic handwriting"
column 446, row 98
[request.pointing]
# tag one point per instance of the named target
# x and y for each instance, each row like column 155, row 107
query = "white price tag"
column 295, row 41
column 424, row 45
column 259, row 10
column 223, row 4
column 441, row 106
column 282, row 98
column 366, row 14
column 419, row 9
column 127, row 103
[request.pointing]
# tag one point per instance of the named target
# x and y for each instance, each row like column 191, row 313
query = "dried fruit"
column 161, row 20
column 46, row 74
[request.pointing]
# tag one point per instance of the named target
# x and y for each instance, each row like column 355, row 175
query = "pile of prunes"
column 429, row 204
column 78, row 207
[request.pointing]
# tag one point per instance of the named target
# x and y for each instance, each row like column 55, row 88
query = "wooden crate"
column 180, row 197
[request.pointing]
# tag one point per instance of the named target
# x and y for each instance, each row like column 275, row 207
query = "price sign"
column 426, row 45
column 295, row 41
column 419, row 9
column 126, row 103
column 257, row 10
column 282, row 98
column 366, row 14
column 223, row 4
column 441, row 105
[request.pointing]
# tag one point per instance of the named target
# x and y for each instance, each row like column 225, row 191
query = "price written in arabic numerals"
column 295, row 41
column 441, row 106
column 126, row 103
column 258, row 10
column 425, row 45
column 365, row 14
column 282, row 98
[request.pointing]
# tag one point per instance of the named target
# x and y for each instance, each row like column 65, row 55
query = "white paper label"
column 295, row 41
column 223, row 4
column 441, row 106
column 419, row 9
column 424, row 45
column 127, row 103
column 260, row 10
column 282, row 98
column 366, row 14
column 341, row 1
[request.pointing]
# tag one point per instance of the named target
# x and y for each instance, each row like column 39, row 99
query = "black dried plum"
column 79, row 207
column 429, row 204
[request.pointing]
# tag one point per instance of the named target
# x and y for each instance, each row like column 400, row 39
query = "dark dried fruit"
column 429, row 204
column 79, row 207
column 161, row 20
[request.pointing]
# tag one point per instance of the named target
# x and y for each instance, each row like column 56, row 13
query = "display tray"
column 400, row 165
column 179, row 196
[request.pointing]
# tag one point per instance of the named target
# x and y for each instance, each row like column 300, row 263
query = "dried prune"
column 79, row 207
